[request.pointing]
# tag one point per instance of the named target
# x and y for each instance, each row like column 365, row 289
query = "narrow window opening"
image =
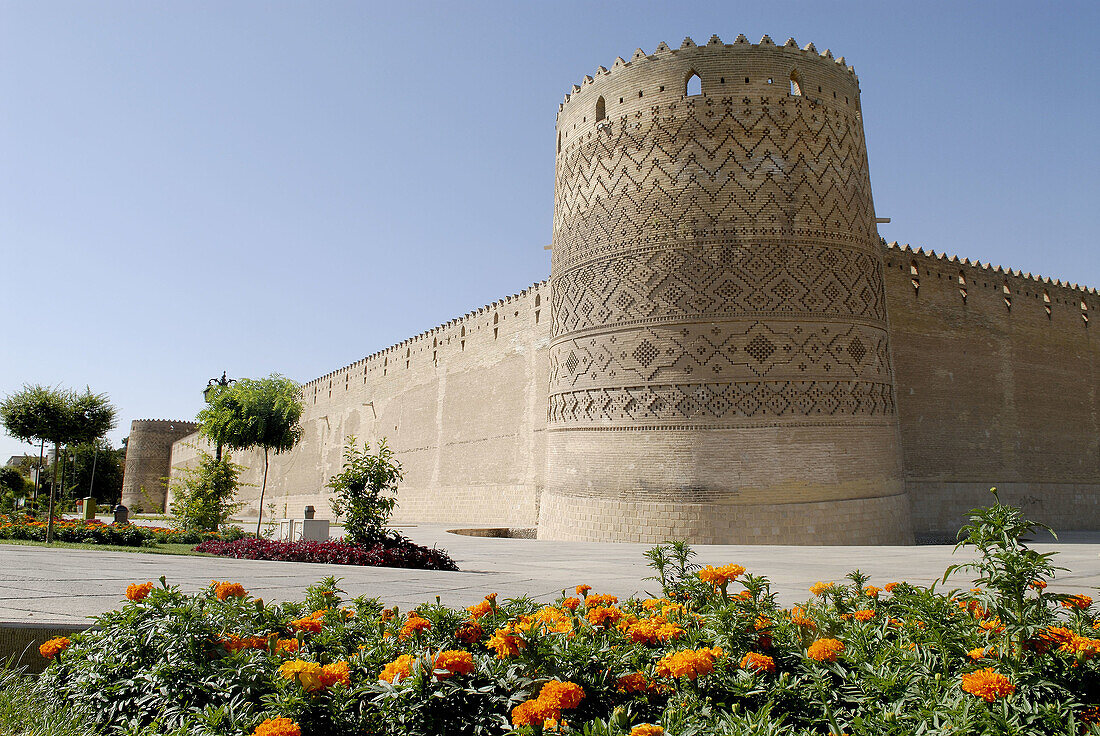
column 1046, row 304
column 537, row 316
column 559, row 141
column 435, row 357
column 662, row 88
column 962, row 286
column 834, row 94
column 538, row 299
column 462, row 345
column 693, row 85
column 796, row 86
column 746, row 80
column 1007, row 295
column 601, row 111
column 496, row 332
column 721, row 80
column 639, row 93
column 914, row 276
column 1085, row 312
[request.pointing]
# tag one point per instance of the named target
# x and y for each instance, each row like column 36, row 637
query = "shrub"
column 387, row 551
column 202, row 496
column 18, row 526
column 365, row 491
column 854, row 658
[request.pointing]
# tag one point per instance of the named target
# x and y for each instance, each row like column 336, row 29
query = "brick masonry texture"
column 148, row 450
column 724, row 352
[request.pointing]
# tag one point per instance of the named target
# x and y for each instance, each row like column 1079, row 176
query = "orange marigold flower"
column 799, row 618
column 1082, row 602
column 337, row 672
column 689, row 663
column 889, row 587
column 987, row 685
column 1038, row 584
column 561, row 695
column 54, row 647
column 981, row 653
column 227, row 589
column 528, row 713
column 571, row 603
column 826, row 650
column 582, row 590
column 604, row 615
column 287, row 646
column 306, row 624
column 552, row 620
column 455, row 662
column 480, row 609
column 469, row 632
column 720, row 576
column 761, row 623
column 308, row 674
column 871, row 591
column 634, row 682
column 758, row 662
column 505, row 643
column 647, row 729
column 397, row 670
column 278, row 727
column 864, row 615
column 414, row 625
column 819, row 588
column 600, row 600
column 653, row 630
column 137, row 592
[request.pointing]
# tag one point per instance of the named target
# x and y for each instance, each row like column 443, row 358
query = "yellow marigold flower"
column 480, row 609
column 826, row 650
column 689, row 663
column 652, row 604
column 54, row 647
column 227, row 589
column 308, row 674
column 981, row 653
column 455, row 662
column 819, row 588
column 337, row 672
column 647, row 729
column 278, row 727
column 871, row 591
column 761, row 623
column 413, row 625
column 397, row 670
column 758, row 662
column 505, row 643
column 864, row 615
column 553, row 620
column 1082, row 602
column 137, row 592
column 987, row 685
column 993, row 624
column 561, row 695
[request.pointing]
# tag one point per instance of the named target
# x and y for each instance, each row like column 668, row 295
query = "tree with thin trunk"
column 252, row 414
column 59, row 416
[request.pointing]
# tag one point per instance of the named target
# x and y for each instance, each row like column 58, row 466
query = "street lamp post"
column 212, row 385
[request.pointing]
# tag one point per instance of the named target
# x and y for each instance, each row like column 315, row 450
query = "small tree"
column 13, row 486
column 255, row 413
column 202, row 496
column 366, row 490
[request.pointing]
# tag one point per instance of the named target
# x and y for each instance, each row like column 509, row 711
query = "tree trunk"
column 263, row 487
column 38, row 475
column 53, row 486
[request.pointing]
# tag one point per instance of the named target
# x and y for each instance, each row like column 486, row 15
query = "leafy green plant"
column 366, row 490
column 202, row 496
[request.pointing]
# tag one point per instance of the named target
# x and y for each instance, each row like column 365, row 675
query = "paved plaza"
column 63, row 586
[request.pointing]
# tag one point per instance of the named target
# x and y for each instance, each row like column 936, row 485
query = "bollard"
column 310, row 512
column 122, row 514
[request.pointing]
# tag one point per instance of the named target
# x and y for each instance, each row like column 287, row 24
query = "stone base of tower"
column 806, row 484
column 863, row 521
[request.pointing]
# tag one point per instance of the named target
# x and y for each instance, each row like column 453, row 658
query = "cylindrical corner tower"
column 149, row 460
column 719, row 365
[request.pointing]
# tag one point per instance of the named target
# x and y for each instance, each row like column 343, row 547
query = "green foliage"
column 25, row 711
column 254, row 413
column 202, row 496
column 366, row 490
column 171, row 663
column 12, row 486
column 38, row 413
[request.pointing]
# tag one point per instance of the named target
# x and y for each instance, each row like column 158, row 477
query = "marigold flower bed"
column 714, row 655
column 17, row 526
column 391, row 551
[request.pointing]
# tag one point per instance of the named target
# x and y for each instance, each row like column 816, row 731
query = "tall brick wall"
column 462, row 405
column 998, row 376
column 719, row 361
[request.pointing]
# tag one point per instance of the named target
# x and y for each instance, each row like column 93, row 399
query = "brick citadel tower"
column 725, row 351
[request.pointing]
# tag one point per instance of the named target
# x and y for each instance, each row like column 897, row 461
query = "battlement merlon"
column 457, row 322
column 990, row 270
column 766, row 65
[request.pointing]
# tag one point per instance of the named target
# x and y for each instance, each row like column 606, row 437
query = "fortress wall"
column 148, row 449
column 991, row 393
column 463, row 406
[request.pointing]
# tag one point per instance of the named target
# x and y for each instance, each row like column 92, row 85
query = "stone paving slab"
column 66, row 586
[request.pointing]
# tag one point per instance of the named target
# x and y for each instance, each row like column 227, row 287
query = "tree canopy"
column 254, row 413
column 38, row 414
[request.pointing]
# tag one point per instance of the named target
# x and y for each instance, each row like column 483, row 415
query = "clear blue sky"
column 267, row 186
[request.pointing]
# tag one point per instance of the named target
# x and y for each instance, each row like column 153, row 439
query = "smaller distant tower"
column 149, row 460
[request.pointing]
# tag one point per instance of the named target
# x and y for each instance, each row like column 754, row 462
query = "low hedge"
column 96, row 532
column 390, row 551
